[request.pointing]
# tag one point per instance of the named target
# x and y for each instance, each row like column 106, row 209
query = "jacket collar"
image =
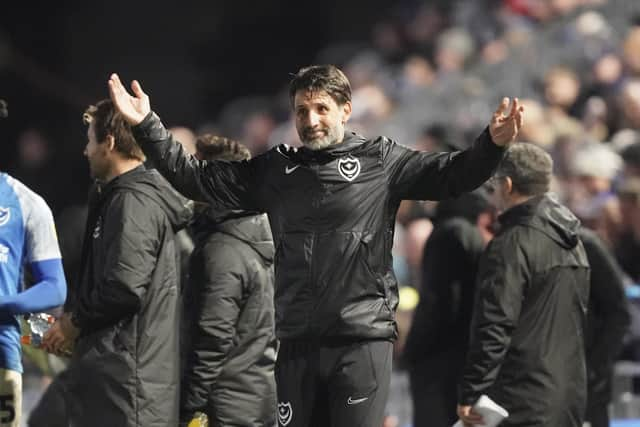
column 520, row 211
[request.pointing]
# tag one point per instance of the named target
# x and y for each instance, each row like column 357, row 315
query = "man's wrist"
column 72, row 321
column 467, row 400
column 143, row 128
column 488, row 138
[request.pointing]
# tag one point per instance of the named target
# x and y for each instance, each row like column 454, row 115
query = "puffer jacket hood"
column 546, row 214
column 249, row 227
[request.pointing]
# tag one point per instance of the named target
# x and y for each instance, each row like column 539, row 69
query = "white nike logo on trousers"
column 355, row 401
column 288, row 170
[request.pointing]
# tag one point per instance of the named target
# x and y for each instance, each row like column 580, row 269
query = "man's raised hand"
column 133, row 108
column 504, row 127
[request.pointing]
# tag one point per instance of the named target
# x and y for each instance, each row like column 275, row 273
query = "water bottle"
column 199, row 419
column 39, row 324
column 632, row 291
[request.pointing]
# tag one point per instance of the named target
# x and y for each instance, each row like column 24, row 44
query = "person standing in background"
column 527, row 349
column 229, row 314
column 439, row 337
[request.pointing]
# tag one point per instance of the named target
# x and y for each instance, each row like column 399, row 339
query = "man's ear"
column 346, row 112
column 111, row 142
column 508, row 183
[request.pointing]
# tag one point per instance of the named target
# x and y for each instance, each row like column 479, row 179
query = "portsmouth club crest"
column 5, row 215
column 349, row 167
column 285, row 413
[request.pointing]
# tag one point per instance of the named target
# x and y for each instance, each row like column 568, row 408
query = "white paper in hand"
column 492, row 413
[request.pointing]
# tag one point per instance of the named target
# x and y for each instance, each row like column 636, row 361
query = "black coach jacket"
column 125, row 366
column 527, row 336
column 230, row 323
column 332, row 215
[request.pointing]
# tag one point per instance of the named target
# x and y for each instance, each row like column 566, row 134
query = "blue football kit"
column 27, row 241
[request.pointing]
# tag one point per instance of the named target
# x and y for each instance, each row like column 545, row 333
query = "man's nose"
column 313, row 119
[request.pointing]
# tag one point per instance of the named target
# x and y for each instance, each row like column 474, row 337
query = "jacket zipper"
column 311, row 313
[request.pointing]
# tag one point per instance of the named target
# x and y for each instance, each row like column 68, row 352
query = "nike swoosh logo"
column 288, row 170
column 355, row 401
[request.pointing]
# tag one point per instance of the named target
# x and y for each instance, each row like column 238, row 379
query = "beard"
column 330, row 136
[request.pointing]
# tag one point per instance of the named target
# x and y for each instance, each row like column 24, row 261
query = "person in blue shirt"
column 27, row 241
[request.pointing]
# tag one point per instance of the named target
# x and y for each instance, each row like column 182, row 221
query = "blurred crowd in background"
column 428, row 78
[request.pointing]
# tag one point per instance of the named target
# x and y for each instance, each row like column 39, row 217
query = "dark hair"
column 631, row 154
column 107, row 121
column 213, row 147
column 629, row 189
column 467, row 205
column 327, row 78
column 529, row 167
column 445, row 138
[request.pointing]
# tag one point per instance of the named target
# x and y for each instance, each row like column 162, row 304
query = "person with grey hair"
column 526, row 350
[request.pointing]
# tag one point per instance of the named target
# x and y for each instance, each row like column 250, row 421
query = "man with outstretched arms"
column 331, row 206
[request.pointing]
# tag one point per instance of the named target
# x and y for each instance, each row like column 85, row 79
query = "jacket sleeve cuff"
column 467, row 395
column 486, row 140
column 468, row 400
column 149, row 129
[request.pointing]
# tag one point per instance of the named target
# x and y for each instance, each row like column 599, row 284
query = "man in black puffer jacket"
column 331, row 206
column 123, row 314
column 229, row 315
column 527, row 349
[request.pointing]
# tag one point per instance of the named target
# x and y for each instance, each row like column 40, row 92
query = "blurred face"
column 631, row 50
column 608, row 69
column 319, row 119
column 97, row 154
column 562, row 7
column 594, row 185
column 631, row 102
column 185, row 137
column 631, row 171
column 562, row 90
column 630, row 211
column 487, row 225
column 499, row 193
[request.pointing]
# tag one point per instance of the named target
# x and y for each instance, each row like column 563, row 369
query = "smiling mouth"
column 315, row 134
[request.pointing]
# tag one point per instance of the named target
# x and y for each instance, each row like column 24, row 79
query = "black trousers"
column 599, row 392
column 333, row 384
column 54, row 407
column 434, row 390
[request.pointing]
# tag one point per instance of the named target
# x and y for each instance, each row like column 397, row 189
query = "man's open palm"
column 505, row 124
column 133, row 108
